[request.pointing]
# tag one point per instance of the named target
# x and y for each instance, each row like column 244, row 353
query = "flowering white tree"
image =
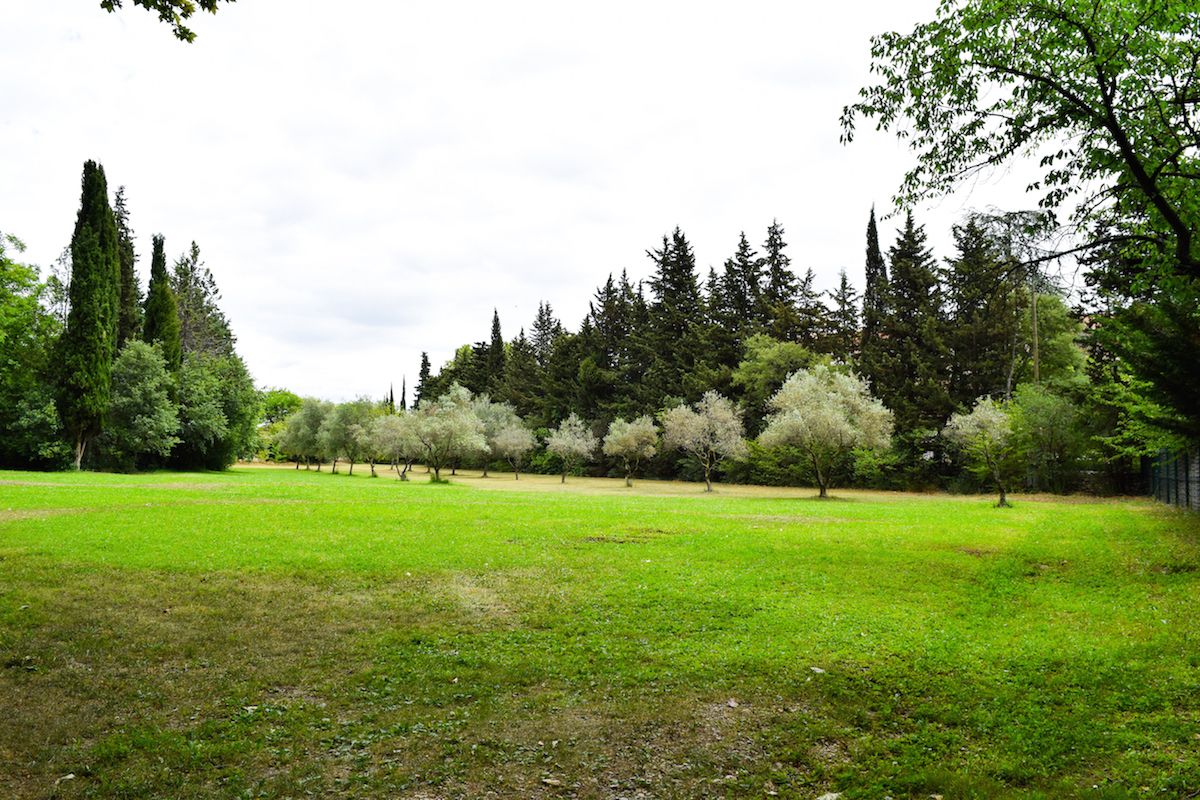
column 826, row 414
column 572, row 442
column 632, row 442
column 512, row 443
column 985, row 437
column 448, row 429
column 710, row 433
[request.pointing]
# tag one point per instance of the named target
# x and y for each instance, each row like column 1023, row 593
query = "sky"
column 368, row 180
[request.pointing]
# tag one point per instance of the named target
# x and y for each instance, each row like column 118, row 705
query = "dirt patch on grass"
column 16, row 514
column 476, row 599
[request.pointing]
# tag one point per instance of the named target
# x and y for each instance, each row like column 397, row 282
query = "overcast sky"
column 368, row 179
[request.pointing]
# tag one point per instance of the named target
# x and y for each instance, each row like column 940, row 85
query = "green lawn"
column 272, row 633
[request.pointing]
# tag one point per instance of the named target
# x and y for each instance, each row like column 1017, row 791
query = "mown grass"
column 272, row 633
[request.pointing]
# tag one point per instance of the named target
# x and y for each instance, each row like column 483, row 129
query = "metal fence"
column 1175, row 479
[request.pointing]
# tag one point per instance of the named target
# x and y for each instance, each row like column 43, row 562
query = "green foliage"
column 203, row 327
column 987, row 438
column 173, row 12
column 219, row 412
column 129, row 315
column 1104, row 97
column 85, row 350
column 1049, row 432
column 143, row 419
column 30, row 431
column 161, row 319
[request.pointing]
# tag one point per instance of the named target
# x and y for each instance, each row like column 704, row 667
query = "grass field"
column 272, row 633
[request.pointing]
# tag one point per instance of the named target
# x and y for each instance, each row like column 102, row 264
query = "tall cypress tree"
column 403, row 393
column 423, row 381
column 162, row 310
column 86, row 349
column 875, row 307
column 129, row 319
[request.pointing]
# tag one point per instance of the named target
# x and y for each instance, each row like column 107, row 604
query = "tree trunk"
column 80, row 446
column 297, row 464
column 1003, row 499
column 628, row 477
column 351, row 467
column 319, row 465
column 373, row 475
column 437, row 474
column 824, row 495
column 707, row 478
column 485, row 470
column 334, row 467
column 564, row 476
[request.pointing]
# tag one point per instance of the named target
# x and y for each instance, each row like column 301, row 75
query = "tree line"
column 96, row 374
column 930, row 338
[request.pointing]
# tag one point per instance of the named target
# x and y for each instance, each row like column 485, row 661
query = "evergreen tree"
column 129, row 319
column 676, row 316
column 203, row 327
column 778, row 298
column 842, row 342
column 87, row 347
column 875, row 307
column 423, row 382
column 984, row 316
column 162, row 313
column 913, row 381
column 495, row 356
column 522, row 378
column 403, row 394
column 741, row 283
column 546, row 328
column 813, row 322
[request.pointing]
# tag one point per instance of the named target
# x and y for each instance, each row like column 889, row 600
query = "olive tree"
column 710, row 433
column 447, row 429
column 572, row 442
column 342, row 432
column 394, row 439
column 300, row 433
column 513, row 443
column 496, row 418
column 826, row 414
column 632, row 443
column 985, row 437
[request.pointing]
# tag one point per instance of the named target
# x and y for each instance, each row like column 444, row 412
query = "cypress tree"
column 86, row 349
column 129, row 320
column 422, row 380
column 874, row 307
column 403, row 393
column 162, row 311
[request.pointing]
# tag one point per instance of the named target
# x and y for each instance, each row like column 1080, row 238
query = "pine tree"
column 778, row 298
column 162, row 312
column 495, row 356
column 522, row 377
column 741, row 283
column 546, row 328
column 423, row 381
column 203, row 327
column 875, row 308
column 914, row 377
column 676, row 316
column 129, row 319
column 842, row 343
column 86, row 349
column 813, row 323
column 982, row 294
